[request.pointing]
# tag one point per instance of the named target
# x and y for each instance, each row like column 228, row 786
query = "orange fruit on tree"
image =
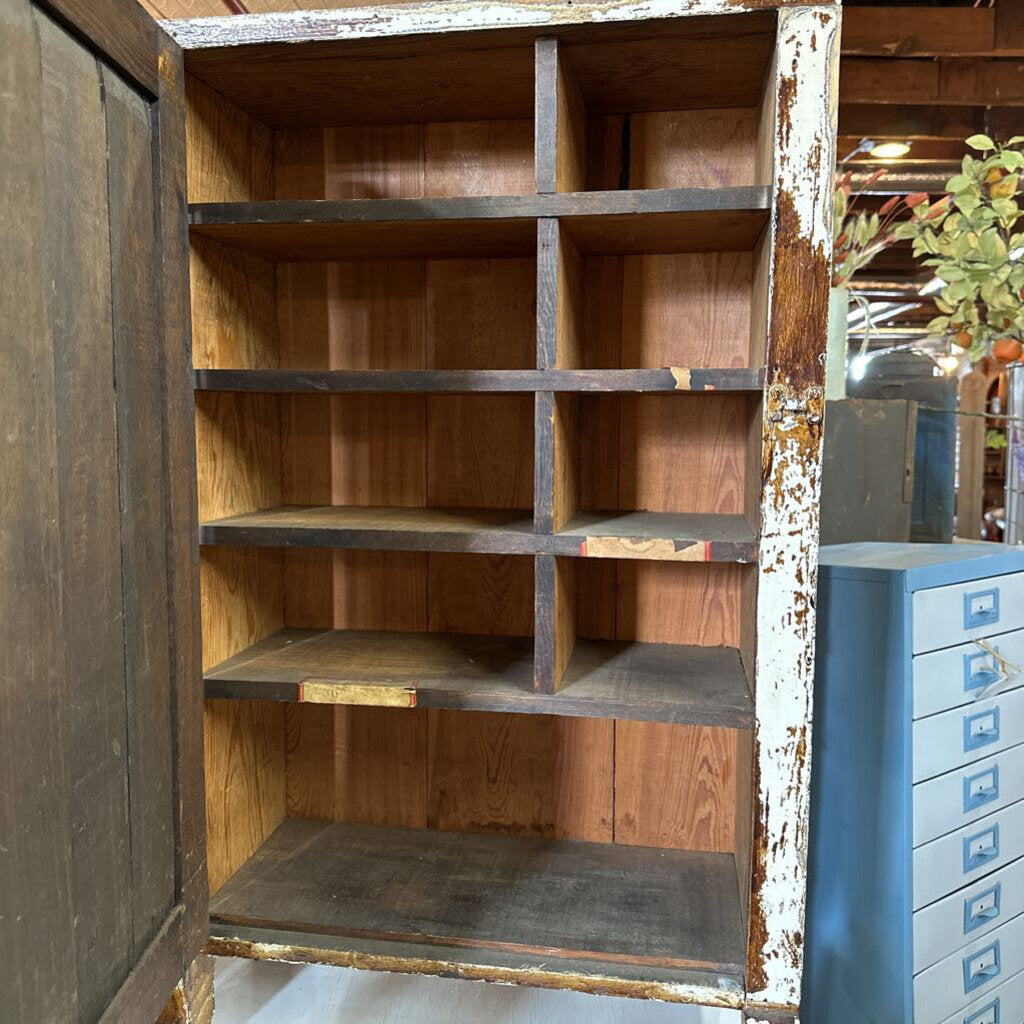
column 964, row 339
column 1006, row 350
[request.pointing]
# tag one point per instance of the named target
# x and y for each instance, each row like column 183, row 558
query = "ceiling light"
column 950, row 364
column 890, row 150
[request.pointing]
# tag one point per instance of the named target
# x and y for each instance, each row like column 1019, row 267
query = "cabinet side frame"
column 806, row 87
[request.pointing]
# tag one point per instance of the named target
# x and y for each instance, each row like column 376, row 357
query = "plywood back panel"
column 675, row 786
column 521, row 775
column 693, row 148
column 672, row 447
column 690, row 310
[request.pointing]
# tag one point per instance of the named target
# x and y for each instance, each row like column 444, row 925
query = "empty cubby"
column 688, row 108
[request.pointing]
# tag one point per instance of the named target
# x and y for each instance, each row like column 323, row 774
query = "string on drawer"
column 1008, row 671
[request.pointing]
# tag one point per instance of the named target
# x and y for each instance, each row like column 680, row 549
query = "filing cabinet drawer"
column 969, row 973
column 967, row 855
column 946, row 616
column 967, row 794
column 961, row 675
column 959, row 737
column 1002, row 1005
column 968, row 914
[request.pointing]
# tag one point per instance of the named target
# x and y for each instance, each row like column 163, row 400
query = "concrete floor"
column 251, row 992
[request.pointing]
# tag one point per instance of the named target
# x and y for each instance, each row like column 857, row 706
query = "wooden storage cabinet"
column 505, row 366
column 480, row 375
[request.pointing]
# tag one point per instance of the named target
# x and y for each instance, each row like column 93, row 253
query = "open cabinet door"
column 103, row 900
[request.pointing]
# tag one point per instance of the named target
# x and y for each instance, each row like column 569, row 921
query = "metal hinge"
column 809, row 403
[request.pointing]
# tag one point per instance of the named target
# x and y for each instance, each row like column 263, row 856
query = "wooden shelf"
column 496, row 531
column 469, row 381
column 653, row 536
column 657, row 536
column 604, row 679
column 445, row 890
column 656, row 220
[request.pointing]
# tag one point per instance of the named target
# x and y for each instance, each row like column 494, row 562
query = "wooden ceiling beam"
column 927, row 122
column 954, row 82
column 918, row 31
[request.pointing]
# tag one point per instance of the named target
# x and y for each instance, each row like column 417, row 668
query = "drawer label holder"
column 981, row 788
column 981, row 848
column 981, row 608
column 980, row 909
column 981, row 967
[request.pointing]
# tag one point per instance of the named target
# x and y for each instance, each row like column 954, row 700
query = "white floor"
column 251, row 992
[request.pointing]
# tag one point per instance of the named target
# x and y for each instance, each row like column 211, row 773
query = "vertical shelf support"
column 804, row 142
column 555, row 626
column 560, row 122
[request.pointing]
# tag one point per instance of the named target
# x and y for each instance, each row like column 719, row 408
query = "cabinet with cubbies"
column 505, row 347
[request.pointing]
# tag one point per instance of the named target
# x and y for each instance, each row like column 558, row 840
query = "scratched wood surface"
column 522, row 894
column 603, row 678
column 99, row 709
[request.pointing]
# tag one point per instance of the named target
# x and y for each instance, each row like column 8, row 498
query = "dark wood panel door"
column 102, row 870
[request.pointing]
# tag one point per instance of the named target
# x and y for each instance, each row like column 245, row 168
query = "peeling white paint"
column 806, row 69
column 725, row 994
column 430, row 18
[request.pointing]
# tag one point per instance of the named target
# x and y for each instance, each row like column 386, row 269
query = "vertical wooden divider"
column 556, row 432
column 560, row 122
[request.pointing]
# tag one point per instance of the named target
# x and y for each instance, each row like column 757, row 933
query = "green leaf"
column 1006, row 209
column 980, row 142
column 1014, row 140
column 966, row 202
column 943, row 306
column 1012, row 160
column 958, row 183
column 949, row 272
column 938, row 324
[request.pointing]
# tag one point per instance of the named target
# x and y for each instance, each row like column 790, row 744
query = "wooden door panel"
column 102, row 887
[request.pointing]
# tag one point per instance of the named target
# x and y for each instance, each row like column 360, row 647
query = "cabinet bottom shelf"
column 460, row 897
column 604, row 678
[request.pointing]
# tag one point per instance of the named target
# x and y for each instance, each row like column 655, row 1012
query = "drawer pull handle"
column 980, row 909
column 981, row 608
column 981, row 967
column 981, row 848
column 981, row 788
column 982, row 679
column 986, row 1015
column 981, row 729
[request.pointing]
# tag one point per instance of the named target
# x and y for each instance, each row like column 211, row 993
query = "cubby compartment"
column 629, row 475
column 691, row 107
column 370, row 471
column 306, row 126
column 676, row 291
column 540, row 838
column 669, row 633
column 253, row 313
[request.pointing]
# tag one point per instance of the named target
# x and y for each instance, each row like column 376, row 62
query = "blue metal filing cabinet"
column 915, row 908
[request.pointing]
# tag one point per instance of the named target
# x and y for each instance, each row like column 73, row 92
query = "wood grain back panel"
column 690, row 309
column 693, row 148
column 530, row 775
column 479, row 158
column 675, row 786
column 672, row 446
